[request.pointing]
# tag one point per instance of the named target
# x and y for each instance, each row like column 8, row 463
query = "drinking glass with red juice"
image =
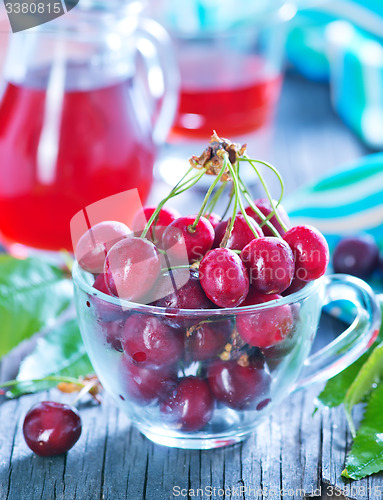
column 76, row 123
column 231, row 64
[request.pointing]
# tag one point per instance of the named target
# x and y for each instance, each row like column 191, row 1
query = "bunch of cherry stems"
column 239, row 189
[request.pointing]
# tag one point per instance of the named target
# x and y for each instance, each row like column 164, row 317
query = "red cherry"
column 265, row 207
column 214, row 219
column 256, row 297
column 356, row 255
column 178, row 236
column 295, row 286
column 224, row 277
column 239, row 387
column 189, row 296
column 147, row 340
column 146, row 384
column 208, row 340
column 113, row 332
column 93, row 245
column 265, row 327
column 191, row 405
column 165, row 217
column 241, row 234
column 132, row 267
column 51, row 428
column 310, row 251
column 105, row 311
column 270, row 262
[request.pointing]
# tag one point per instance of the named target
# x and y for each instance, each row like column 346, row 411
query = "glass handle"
column 163, row 79
column 355, row 340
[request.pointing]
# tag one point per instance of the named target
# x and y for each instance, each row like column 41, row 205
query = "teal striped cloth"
column 349, row 201
column 346, row 202
column 341, row 41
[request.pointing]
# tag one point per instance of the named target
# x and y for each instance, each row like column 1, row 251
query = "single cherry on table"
column 51, row 428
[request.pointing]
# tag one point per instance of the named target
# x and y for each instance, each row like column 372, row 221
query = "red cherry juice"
column 58, row 156
column 230, row 93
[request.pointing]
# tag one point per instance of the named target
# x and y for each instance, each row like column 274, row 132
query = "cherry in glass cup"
column 81, row 116
column 187, row 378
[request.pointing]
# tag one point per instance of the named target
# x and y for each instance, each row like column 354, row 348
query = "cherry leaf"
column 366, row 455
column 33, row 294
column 60, row 352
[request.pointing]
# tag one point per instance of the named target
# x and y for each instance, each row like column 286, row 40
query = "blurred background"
column 118, row 94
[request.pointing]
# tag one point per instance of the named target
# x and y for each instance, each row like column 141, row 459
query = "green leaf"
column 60, row 352
column 369, row 375
column 32, row 294
column 336, row 388
column 366, row 455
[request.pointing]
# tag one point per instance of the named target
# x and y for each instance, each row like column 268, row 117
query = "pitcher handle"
column 163, row 79
column 355, row 340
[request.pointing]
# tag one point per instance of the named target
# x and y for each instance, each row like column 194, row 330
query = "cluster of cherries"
column 251, row 258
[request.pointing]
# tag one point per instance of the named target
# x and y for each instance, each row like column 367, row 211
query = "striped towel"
column 342, row 41
column 349, row 201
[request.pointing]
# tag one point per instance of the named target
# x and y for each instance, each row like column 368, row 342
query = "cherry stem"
column 193, row 226
column 51, row 378
column 230, row 226
column 273, row 169
column 284, row 227
column 215, row 198
column 174, row 192
column 265, row 219
column 235, row 176
column 86, row 388
column 166, row 269
column 229, row 203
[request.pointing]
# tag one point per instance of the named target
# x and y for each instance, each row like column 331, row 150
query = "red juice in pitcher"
column 222, row 91
column 60, row 153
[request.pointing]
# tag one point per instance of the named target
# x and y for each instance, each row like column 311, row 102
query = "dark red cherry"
column 214, row 219
column 207, row 340
column 113, row 332
column 93, row 245
column 265, row 207
column 51, row 428
column 188, row 296
column 310, row 251
column 146, row 384
column 295, row 286
column 104, row 310
column 165, row 217
column 238, row 387
column 190, row 407
column 241, row 234
column 182, row 243
column 256, row 297
column 265, row 327
column 357, row 255
column 270, row 262
column 132, row 267
column 224, row 277
column 147, row 340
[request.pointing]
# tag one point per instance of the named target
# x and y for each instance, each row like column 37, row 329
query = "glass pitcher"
column 87, row 100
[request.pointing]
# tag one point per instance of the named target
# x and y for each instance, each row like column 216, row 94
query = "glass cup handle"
column 355, row 340
column 163, row 79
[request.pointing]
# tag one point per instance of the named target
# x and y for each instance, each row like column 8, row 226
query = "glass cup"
column 231, row 74
column 229, row 385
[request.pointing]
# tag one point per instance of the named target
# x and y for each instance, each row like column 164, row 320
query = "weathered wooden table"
column 290, row 455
